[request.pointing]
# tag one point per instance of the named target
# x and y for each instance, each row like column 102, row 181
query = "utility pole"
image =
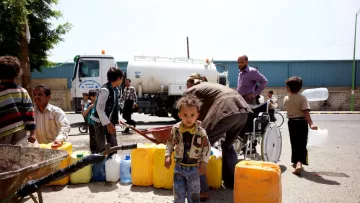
column 187, row 42
column 352, row 100
column 25, row 61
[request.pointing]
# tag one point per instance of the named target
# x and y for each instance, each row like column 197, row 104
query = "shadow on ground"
column 317, row 177
column 77, row 124
column 283, row 168
column 96, row 187
column 161, row 192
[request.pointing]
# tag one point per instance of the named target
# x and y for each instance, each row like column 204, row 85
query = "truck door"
column 88, row 77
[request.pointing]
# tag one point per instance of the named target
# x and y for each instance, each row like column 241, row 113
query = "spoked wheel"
column 279, row 119
column 238, row 146
column 271, row 143
column 83, row 128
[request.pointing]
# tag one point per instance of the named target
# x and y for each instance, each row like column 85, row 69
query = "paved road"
column 332, row 176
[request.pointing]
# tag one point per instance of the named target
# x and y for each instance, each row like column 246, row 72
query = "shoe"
column 204, row 196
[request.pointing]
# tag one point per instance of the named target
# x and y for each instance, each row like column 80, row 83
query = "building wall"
column 313, row 73
column 60, row 93
column 63, row 70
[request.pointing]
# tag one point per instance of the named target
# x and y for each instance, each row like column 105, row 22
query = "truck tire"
column 174, row 114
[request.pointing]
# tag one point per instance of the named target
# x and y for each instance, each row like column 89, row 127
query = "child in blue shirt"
column 88, row 110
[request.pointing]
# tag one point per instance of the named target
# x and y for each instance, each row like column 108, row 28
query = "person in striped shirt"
column 16, row 108
column 128, row 101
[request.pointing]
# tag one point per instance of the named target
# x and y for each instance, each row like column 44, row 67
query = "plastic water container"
column 162, row 177
column 142, row 161
column 125, row 170
column 257, row 181
column 317, row 94
column 83, row 175
column 214, row 172
column 112, row 168
column 261, row 99
column 317, row 138
column 98, row 171
column 66, row 146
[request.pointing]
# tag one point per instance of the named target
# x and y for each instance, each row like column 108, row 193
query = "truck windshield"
column 89, row 68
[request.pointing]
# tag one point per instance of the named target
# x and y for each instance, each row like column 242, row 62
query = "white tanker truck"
column 159, row 81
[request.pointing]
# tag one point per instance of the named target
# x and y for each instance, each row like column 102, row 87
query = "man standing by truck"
column 247, row 80
column 128, row 101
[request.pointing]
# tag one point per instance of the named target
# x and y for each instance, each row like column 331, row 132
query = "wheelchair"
column 259, row 129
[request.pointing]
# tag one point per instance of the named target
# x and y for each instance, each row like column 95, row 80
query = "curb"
column 338, row 113
column 331, row 112
column 284, row 112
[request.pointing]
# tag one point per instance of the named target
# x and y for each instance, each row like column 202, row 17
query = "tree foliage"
column 44, row 37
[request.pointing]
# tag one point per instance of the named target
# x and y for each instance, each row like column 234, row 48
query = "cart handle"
column 33, row 185
column 142, row 133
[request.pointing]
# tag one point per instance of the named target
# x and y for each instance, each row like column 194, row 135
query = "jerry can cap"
column 79, row 155
column 127, row 157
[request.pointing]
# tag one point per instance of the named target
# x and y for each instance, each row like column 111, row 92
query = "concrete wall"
column 339, row 99
column 60, row 94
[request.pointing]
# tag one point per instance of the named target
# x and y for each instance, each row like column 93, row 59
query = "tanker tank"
column 161, row 81
column 159, row 74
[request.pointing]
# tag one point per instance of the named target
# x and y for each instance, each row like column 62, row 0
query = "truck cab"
column 90, row 72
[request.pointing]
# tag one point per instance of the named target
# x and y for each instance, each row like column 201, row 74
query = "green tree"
column 13, row 17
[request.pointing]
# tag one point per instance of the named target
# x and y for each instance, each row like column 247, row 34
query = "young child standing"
column 88, row 111
column 16, row 107
column 192, row 151
column 85, row 102
column 272, row 106
column 298, row 113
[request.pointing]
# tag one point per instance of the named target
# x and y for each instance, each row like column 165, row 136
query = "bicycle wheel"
column 83, row 128
column 279, row 119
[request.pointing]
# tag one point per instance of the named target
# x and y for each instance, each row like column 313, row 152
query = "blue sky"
column 223, row 30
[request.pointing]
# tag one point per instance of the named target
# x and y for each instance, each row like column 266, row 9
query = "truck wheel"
column 175, row 115
column 153, row 111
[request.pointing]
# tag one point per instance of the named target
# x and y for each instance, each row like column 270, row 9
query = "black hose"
column 116, row 148
column 33, row 185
